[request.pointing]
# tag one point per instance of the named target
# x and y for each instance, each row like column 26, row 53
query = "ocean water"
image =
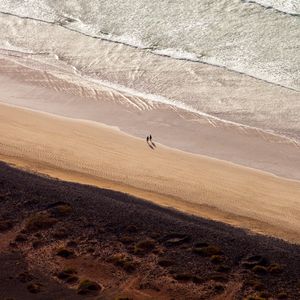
column 287, row 6
column 237, row 60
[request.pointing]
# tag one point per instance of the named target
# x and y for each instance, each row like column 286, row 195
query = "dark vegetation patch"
column 87, row 287
column 282, row 295
column 40, row 221
column 34, row 288
column 60, row 233
column 256, row 297
column 209, row 250
column 218, row 277
column 144, row 246
column 217, row 259
column 165, row 262
column 65, row 253
column 124, row 261
column 37, row 244
column 255, row 260
column 219, row 288
column 188, row 277
column 5, row 225
column 60, row 209
column 260, row 270
column 256, row 284
column 72, row 244
column 21, row 238
column 127, row 240
column 132, row 228
column 25, row 277
column 68, row 276
column 223, row 268
column 275, row 268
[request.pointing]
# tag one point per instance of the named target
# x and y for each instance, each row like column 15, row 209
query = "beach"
column 177, row 128
column 208, row 208
column 87, row 152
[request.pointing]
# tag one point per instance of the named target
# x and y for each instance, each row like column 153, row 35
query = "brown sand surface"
column 87, row 152
column 73, row 97
column 54, row 235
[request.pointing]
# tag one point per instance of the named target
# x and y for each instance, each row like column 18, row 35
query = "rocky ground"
column 61, row 240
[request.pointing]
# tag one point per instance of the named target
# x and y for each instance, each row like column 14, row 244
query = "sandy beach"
column 87, row 152
column 72, row 97
column 207, row 208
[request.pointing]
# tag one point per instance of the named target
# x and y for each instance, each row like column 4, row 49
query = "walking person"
column 152, row 143
column 147, row 139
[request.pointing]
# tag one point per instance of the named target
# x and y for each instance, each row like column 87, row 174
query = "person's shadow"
column 150, row 144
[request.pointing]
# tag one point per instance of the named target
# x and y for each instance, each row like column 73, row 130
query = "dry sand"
column 72, row 97
column 86, row 152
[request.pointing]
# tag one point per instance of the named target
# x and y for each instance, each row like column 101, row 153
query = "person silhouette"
column 150, row 138
column 147, row 139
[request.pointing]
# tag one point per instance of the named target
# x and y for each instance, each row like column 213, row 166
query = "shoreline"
column 149, row 150
column 175, row 128
column 117, row 129
column 51, row 76
column 242, row 199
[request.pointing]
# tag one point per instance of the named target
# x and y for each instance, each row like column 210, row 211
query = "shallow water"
column 170, row 39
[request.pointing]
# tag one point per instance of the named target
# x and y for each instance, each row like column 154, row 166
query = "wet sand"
column 169, row 125
column 87, row 152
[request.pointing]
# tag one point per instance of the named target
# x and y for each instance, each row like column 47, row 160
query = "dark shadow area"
column 18, row 281
column 200, row 257
column 150, row 145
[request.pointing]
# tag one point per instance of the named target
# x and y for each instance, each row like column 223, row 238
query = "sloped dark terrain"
column 61, row 240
